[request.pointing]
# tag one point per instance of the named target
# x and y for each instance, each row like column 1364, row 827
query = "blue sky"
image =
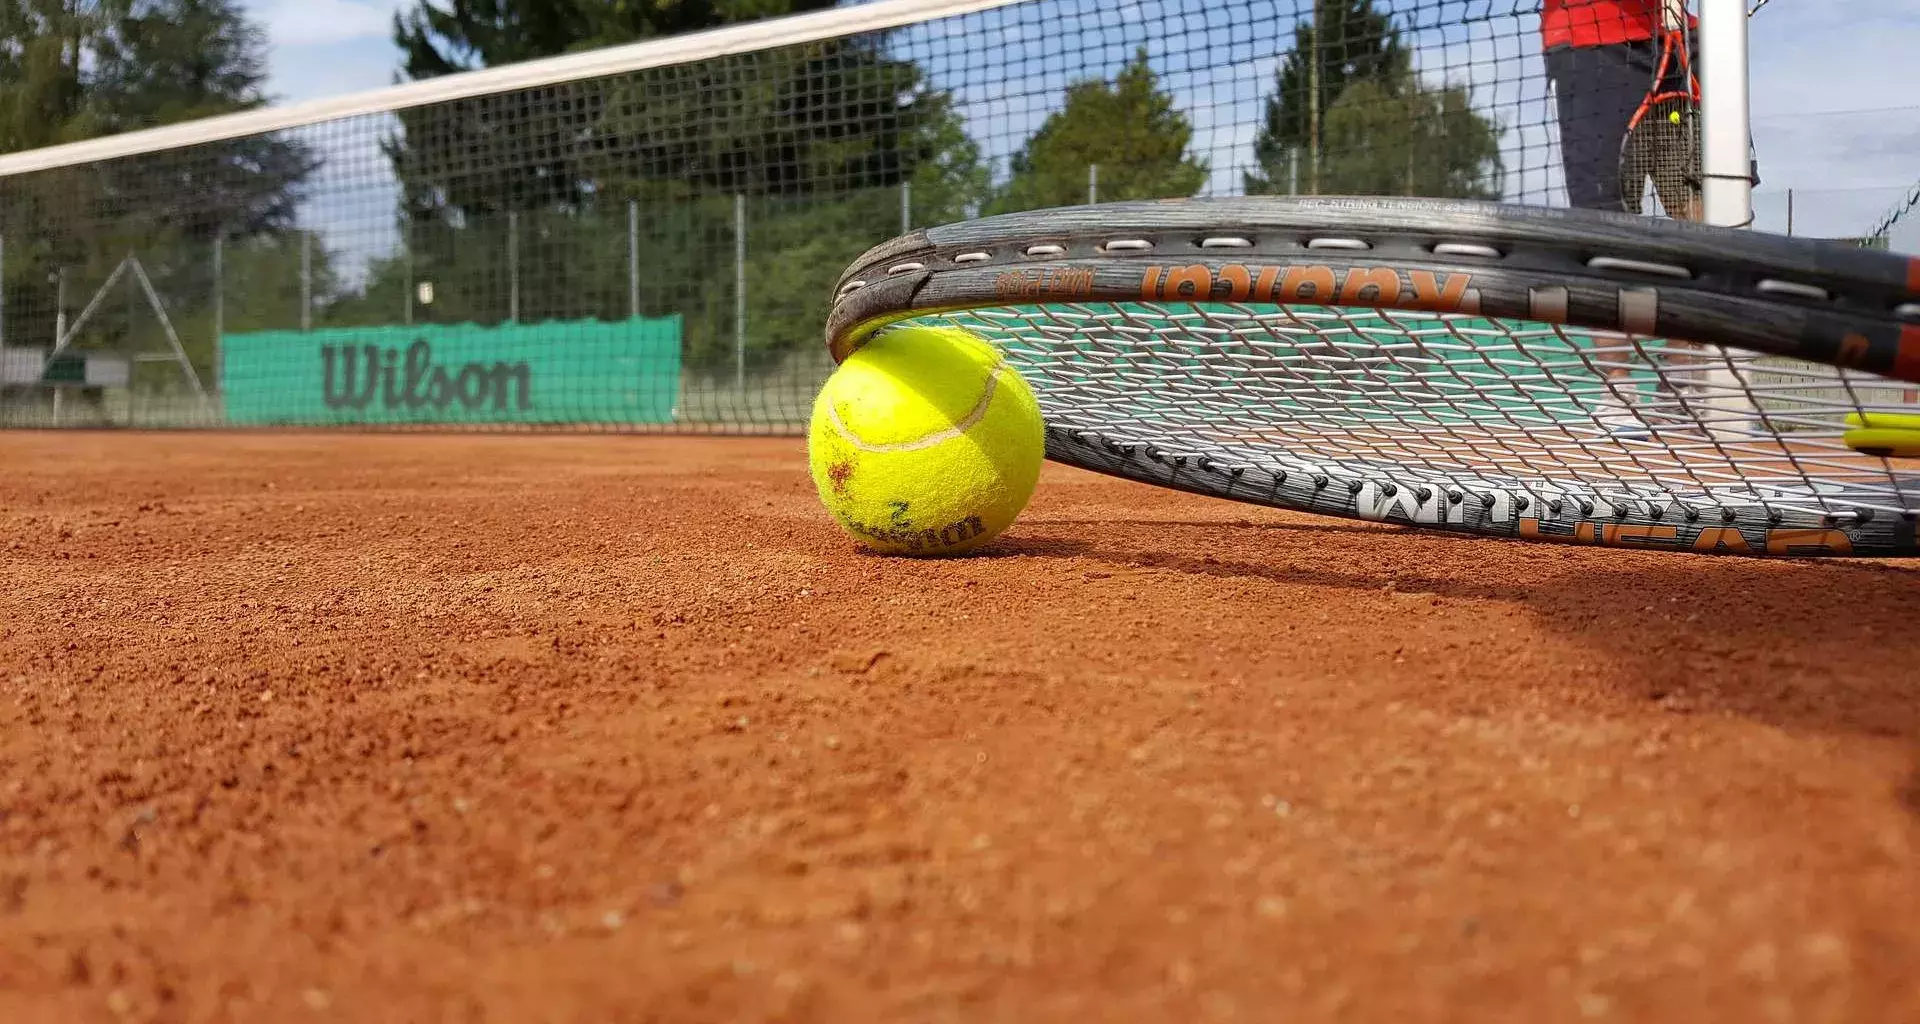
column 1823, row 122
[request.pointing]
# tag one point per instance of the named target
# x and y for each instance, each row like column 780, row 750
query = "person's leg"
column 1596, row 90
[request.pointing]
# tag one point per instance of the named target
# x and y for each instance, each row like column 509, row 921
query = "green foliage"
column 1128, row 128
column 1413, row 142
column 438, row 37
column 41, row 43
column 76, row 69
column 757, row 122
column 1353, row 42
column 819, row 138
column 260, row 280
column 1377, row 129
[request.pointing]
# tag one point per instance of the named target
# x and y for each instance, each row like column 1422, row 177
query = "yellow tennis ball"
column 1674, row 116
column 925, row 441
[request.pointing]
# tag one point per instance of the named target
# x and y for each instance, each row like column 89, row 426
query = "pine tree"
column 818, row 138
column 749, row 123
column 79, row 69
column 1350, row 115
column 1129, row 129
column 1409, row 141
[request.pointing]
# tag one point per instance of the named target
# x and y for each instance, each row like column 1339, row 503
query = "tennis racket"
column 1474, row 367
column 1662, row 140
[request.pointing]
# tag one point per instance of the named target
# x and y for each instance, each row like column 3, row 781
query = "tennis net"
column 646, row 236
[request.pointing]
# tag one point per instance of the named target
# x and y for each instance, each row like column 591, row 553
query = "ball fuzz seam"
column 926, row 441
column 973, row 416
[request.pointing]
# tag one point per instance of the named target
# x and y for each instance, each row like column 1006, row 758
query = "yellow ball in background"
column 925, row 441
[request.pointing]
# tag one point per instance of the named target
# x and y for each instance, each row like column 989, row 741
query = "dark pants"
column 1597, row 89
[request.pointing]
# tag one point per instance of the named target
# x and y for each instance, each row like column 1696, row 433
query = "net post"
column 633, row 259
column 740, row 291
column 1727, row 182
column 1726, row 140
column 132, row 342
column 906, row 207
column 1293, row 170
column 1093, row 184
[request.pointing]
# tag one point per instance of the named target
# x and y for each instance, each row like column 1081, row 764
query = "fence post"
column 306, row 280
column 59, row 328
column 740, row 291
column 59, row 308
column 219, row 310
column 3, row 290
column 1313, row 104
column 633, row 259
column 406, row 256
column 513, row 267
column 1093, row 183
column 906, row 207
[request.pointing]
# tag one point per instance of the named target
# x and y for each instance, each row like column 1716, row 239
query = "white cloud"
column 297, row 23
column 319, row 48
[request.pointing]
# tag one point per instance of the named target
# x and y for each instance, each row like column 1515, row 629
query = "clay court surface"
column 586, row 728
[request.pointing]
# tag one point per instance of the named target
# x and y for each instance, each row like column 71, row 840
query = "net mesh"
column 655, row 247
column 1467, row 403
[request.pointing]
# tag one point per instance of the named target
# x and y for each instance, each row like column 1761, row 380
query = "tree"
column 470, row 34
column 77, row 69
column 818, row 117
column 166, row 61
column 530, row 150
column 831, row 129
column 1129, row 129
column 1341, row 42
column 1408, row 140
column 41, row 47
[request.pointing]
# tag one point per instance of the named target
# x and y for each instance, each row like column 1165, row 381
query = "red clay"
column 591, row 728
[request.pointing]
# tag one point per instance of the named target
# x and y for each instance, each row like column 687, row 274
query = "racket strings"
column 1464, row 404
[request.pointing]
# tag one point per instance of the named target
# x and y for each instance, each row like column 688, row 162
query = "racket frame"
column 1582, row 269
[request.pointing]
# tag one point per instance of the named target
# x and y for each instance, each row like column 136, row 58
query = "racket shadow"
column 1332, row 526
column 1777, row 641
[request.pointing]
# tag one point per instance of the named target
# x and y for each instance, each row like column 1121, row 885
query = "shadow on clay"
column 1770, row 630
column 1216, row 524
column 1003, row 547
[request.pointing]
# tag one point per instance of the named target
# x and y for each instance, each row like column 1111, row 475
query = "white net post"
column 1727, row 188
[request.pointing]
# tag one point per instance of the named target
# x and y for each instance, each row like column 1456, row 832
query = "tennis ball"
column 925, row 441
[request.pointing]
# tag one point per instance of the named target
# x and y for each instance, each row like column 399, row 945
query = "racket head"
column 1499, row 370
column 1662, row 138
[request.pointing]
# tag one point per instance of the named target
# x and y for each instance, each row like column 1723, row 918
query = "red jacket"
column 1598, row 22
